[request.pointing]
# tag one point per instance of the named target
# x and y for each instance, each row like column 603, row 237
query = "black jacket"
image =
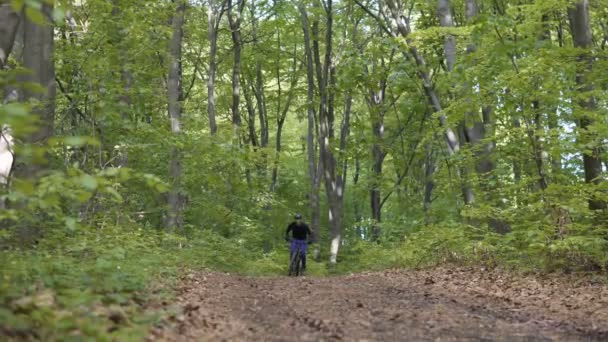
column 298, row 231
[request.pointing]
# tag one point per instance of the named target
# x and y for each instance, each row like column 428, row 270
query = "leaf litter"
column 441, row 304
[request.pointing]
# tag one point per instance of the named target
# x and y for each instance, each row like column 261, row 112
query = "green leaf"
column 58, row 15
column 88, row 182
column 35, row 15
column 80, row 141
column 15, row 109
column 70, row 223
column 17, row 5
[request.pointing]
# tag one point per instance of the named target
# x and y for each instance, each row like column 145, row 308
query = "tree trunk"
column 38, row 57
column 213, row 19
column 334, row 184
column 234, row 19
column 538, row 145
column 517, row 164
column 253, row 138
column 429, row 182
column 282, row 115
column 174, row 85
column 402, row 28
column 444, row 12
column 581, row 34
column 127, row 81
column 9, row 24
column 261, row 104
column 378, row 155
column 313, row 164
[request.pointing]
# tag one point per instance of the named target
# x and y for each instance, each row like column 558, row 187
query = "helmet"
column 297, row 216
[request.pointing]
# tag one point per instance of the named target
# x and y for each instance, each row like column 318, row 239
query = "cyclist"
column 301, row 236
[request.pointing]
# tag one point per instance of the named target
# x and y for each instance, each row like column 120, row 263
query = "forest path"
column 437, row 305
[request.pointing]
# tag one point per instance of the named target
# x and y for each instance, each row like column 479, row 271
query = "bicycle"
column 296, row 263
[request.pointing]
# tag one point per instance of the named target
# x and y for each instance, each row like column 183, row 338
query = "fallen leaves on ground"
column 444, row 303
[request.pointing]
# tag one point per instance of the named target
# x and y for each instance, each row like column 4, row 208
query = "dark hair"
column 297, row 216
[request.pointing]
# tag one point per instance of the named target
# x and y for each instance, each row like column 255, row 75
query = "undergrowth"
column 99, row 283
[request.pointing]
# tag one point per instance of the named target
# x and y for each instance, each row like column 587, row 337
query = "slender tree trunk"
column 38, row 57
column 174, row 85
column 556, row 156
column 334, row 184
column 378, row 155
column 261, row 104
column 429, row 183
column 253, row 138
column 9, row 24
column 392, row 11
column 258, row 85
column 234, row 17
column 402, row 28
column 580, row 26
column 213, row 19
column 444, row 12
column 281, row 116
column 313, row 164
column 127, row 81
column 538, row 146
column 517, row 163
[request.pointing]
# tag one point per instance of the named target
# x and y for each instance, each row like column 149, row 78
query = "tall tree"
column 446, row 19
column 215, row 10
column 126, row 76
column 9, row 23
column 258, row 85
column 314, row 165
column 282, row 110
column 377, row 108
column 235, row 12
column 38, row 57
column 175, row 94
column 333, row 176
column 580, row 25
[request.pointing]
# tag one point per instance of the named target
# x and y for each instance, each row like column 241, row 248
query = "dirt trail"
column 442, row 304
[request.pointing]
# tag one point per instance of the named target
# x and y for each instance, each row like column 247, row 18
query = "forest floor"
column 446, row 304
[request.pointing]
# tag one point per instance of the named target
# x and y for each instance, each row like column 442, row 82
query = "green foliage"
column 85, row 241
column 97, row 283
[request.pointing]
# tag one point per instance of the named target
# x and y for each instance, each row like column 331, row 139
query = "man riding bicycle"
column 301, row 236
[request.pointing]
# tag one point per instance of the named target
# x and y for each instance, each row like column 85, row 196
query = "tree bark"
column 444, row 12
column 38, row 57
column 258, row 85
column 234, row 19
column 580, row 26
column 376, row 103
column 429, row 182
column 282, row 115
column 9, row 24
column 313, row 164
column 253, row 138
column 127, row 81
column 334, row 183
column 401, row 28
column 214, row 12
column 175, row 94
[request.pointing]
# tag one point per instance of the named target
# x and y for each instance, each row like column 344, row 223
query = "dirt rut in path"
column 443, row 304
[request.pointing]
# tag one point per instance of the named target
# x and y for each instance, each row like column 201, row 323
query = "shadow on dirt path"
column 442, row 304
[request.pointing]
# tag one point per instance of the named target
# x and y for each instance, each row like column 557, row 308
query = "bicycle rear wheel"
column 295, row 265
